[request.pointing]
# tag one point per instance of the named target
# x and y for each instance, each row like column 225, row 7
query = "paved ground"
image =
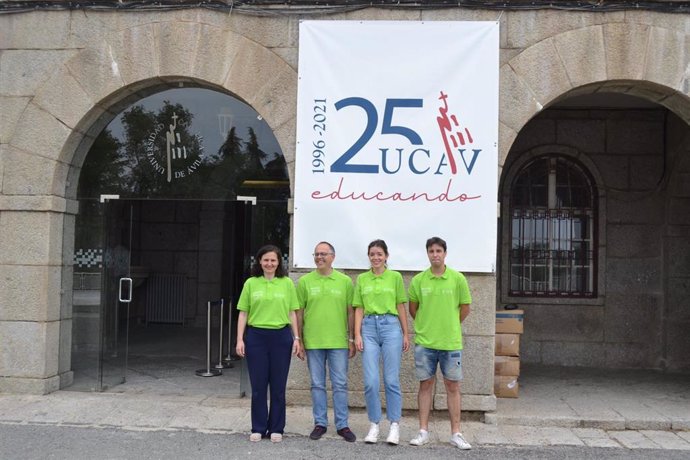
column 28, row 442
column 598, row 398
column 223, row 414
column 561, row 407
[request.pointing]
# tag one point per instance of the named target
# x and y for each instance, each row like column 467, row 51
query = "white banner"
column 397, row 133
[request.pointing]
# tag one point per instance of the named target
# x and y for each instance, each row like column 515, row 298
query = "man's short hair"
column 330, row 246
column 436, row 240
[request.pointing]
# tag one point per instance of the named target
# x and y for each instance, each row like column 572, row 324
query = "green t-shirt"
column 268, row 302
column 325, row 300
column 437, row 323
column 379, row 295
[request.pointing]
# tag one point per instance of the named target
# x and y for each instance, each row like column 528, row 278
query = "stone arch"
column 641, row 60
column 84, row 92
column 637, row 59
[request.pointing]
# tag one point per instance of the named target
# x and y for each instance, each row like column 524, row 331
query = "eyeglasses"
column 322, row 254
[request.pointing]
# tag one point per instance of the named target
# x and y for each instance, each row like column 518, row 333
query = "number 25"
column 341, row 165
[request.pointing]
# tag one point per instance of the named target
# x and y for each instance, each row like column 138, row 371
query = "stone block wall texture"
column 59, row 87
column 676, row 251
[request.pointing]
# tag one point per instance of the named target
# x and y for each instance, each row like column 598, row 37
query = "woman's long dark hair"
column 378, row 244
column 256, row 269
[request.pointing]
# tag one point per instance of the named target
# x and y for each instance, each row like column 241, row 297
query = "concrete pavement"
column 557, row 406
column 225, row 414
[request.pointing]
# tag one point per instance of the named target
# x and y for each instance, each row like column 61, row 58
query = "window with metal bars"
column 552, row 212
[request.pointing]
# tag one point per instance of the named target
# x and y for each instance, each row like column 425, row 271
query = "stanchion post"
column 230, row 358
column 221, row 364
column 208, row 372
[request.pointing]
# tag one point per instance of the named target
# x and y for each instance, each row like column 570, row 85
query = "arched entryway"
column 175, row 193
column 593, row 232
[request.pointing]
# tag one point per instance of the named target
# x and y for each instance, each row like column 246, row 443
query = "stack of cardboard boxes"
column 509, row 326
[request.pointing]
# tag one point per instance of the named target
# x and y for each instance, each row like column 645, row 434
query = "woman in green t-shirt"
column 381, row 331
column 267, row 307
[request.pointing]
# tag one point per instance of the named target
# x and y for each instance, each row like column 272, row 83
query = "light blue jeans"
column 382, row 337
column 337, row 360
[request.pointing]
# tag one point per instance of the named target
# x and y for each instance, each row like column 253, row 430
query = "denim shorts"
column 426, row 361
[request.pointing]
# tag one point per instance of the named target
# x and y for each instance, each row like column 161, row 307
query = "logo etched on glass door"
column 182, row 149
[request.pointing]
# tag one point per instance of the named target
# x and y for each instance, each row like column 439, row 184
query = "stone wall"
column 676, row 254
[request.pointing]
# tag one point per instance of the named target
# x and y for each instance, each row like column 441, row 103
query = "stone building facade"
column 609, row 90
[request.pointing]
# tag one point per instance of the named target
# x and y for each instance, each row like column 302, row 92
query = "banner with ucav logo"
column 397, row 133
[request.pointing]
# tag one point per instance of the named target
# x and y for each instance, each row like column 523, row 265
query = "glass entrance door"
column 117, row 292
column 102, row 255
column 144, row 272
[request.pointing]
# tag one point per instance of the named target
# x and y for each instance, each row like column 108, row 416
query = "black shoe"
column 347, row 434
column 317, row 432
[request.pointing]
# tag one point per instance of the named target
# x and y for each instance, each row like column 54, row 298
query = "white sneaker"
column 393, row 434
column 421, row 438
column 373, row 434
column 458, row 441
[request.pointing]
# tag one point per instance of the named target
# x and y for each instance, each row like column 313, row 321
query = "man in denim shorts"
column 439, row 302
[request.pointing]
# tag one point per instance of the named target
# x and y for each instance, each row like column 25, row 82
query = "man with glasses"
column 327, row 324
column 439, row 303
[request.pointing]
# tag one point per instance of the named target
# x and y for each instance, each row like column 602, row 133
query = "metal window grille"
column 552, row 248
column 552, row 253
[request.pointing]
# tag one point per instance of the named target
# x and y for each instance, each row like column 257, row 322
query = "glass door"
column 101, row 289
column 117, row 292
column 144, row 271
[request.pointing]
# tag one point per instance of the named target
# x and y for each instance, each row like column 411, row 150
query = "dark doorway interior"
column 193, row 252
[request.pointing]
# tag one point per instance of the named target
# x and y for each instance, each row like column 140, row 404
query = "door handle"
column 129, row 297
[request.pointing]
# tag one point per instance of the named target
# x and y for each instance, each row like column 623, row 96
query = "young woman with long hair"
column 381, row 332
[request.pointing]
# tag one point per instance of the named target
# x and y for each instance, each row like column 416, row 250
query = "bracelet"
column 296, row 338
column 351, row 340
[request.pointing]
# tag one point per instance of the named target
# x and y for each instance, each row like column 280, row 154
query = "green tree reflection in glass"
column 159, row 155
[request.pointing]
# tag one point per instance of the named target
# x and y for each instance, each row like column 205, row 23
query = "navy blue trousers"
column 268, row 353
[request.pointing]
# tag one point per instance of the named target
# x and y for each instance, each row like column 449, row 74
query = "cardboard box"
column 506, row 365
column 509, row 321
column 506, row 386
column 507, row 345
